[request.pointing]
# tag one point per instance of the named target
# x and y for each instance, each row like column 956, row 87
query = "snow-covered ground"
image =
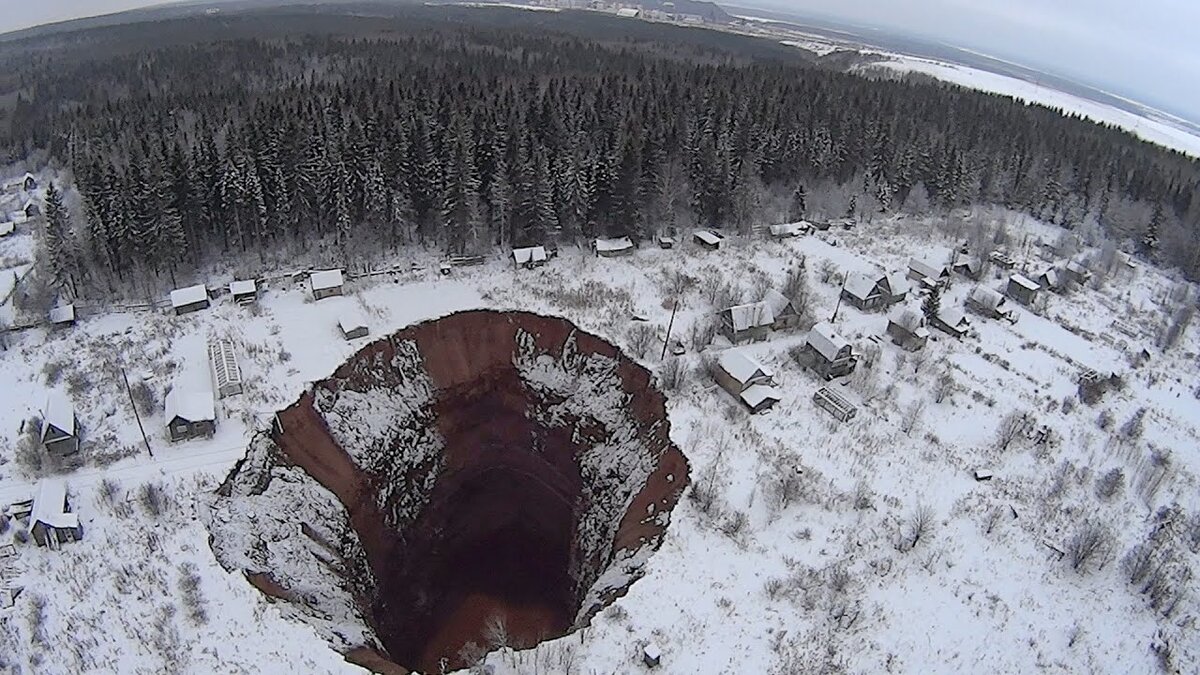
column 1161, row 129
column 783, row 571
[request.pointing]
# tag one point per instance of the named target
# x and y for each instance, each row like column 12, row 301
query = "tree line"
column 467, row 137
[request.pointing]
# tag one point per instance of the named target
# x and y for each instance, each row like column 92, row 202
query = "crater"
column 484, row 479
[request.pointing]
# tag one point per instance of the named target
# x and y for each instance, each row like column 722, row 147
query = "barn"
column 190, row 299
column 190, row 413
column 51, row 522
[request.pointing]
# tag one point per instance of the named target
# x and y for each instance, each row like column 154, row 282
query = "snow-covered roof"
column 325, row 279
column 530, row 254
column 652, row 651
column 826, row 340
column 751, row 315
column 183, row 297
column 927, row 269
column 742, row 367
column 192, row 406
column 351, row 320
column 788, row 229
column 1025, row 282
column 1053, row 280
column 612, row 245
column 954, row 317
column 628, row 12
column 908, row 319
column 986, row 297
column 777, row 302
column 62, row 314
column 897, row 283
column 58, row 412
column 7, row 228
column 859, row 285
column 49, row 506
column 708, row 237
column 243, row 287
column 1076, row 267
column 756, row 394
column 972, row 264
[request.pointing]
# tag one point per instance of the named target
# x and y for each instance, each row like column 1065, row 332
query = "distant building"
column 62, row 316
column 862, row 291
column 326, row 283
column 226, row 373
column 789, row 230
column 751, row 321
column 907, row 329
column 244, row 292
column 1022, row 289
column 612, row 248
column 1052, row 279
column 60, row 427
column 529, row 257
column 352, row 324
column 785, row 314
column 190, row 413
column 953, row 321
column 190, row 299
column 1076, row 272
column 51, row 522
column 828, row 353
column 747, row 380
column 987, row 302
column 708, row 239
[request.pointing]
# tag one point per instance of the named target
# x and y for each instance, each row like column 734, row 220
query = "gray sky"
column 1143, row 49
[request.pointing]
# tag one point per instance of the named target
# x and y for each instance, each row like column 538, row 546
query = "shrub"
column 53, row 371
column 1110, row 484
column 1091, row 543
column 641, row 339
column 153, row 498
column 671, row 374
column 144, row 397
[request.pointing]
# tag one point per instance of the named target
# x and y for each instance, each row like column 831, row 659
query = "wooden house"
column 907, row 329
column 190, row 299
column 1022, row 289
column 51, row 522
column 751, row 321
column 226, row 373
column 788, row 230
column 613, row 248
column 828, row 353
column 1002, row 260
column 60, row 427
column 928, row 274
column 31, row 209
column 1077, row 273
column 785, row 314
column 987, row 302
column 665, row 241
column 971, row 268
column 893, row 288
column 747, row 380
column 62, row 316
column 244, row 292
column 862, row 291
column 835, row 404
column 529, row 257
column 708, row 239
column 190, row 413
column 326, row 283
column 1053, row 279
column 352, row 324
column 952, row 321
column 26, row 183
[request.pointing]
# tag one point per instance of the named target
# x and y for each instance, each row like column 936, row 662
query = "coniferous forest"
column 467, row 130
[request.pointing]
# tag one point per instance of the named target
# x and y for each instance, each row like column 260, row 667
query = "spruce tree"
column 931, row 306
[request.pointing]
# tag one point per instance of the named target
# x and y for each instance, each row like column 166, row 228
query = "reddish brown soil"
column 497, row 536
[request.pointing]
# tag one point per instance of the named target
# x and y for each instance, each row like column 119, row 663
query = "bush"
column 193, row 599
column 671, row 374
column 78, row 383
column 144, row 397
column 53, row 372
column 1111, row 484
column 153, row 499
column 1091, row 544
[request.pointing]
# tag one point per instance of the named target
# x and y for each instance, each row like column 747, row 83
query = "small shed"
column 326, row 283
column 62, row 316
column 928, row 273
column 788, row 230
column 971, row 268
column 529, row 257
column 31, row 209
column 666, row 242
column 708, row 239
column 746, row 379
column 60, row 427
column 750, row 321
column 1053, row 279
column 835, row 404
column 51, row 522
column 1022, row 289
column 987, row 302
column 953, row 321
column 226, row 373
column 651, row 655
column 244, row 292
column 190, row 413
column 352, row 324
column 907, row 329
column 861, row 291
column 7, row 227
column 612, row 248
column 1077, row 273
column 829, row 354
column 784, row 313
column 1002, row 260
column 190, row 299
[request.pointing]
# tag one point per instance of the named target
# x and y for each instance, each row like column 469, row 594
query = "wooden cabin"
column 62, row 316
column 244, row 292
column 862, row 292
column 51, row 522
column 785, row 314
column 988, row 302
column 353, row 325
column 828, row 353
column 190, row 413
column 613, row 248
column 529, row 257
column 747, row 380
column 1022, row 289
column 708, row 239
column 750, row 321
column 190, row 299
column 60, row 426
column 326, row 284
column 952, row 321
column 907, row 330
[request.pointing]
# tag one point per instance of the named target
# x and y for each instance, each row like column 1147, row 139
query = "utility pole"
column 670, row 324
column 136, row 415
column 838, row 305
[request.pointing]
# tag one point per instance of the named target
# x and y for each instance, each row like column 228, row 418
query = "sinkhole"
column 482, row 479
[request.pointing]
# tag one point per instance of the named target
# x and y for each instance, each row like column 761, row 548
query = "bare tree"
column 1092, row 543
column 1011, row 427
column 495, row 631
column 943, row 386
column 1110, row 484
column 912, row 415
column 919, row 526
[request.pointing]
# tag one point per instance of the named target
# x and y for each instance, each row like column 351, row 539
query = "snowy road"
column 144, row 469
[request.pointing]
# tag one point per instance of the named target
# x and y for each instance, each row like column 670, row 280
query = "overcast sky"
column 1144, row 49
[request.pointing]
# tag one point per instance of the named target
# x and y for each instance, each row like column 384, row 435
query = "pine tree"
column 799, row 204
column 1150, row 236
column 931, row 306
column 59, row 242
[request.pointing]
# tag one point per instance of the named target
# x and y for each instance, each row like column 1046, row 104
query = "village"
column 821, row 331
